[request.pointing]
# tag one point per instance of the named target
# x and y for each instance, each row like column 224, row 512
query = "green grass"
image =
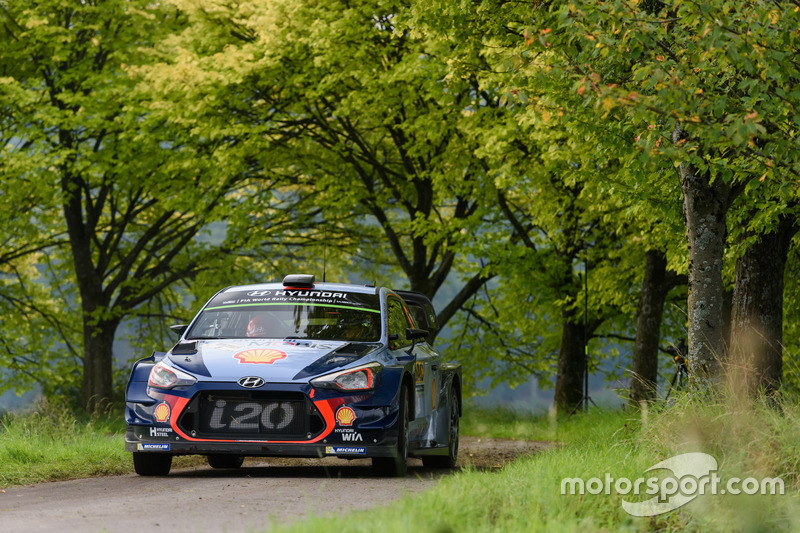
column 523, row 496
column 748, row 440
column 504, row 424
column 52, row 444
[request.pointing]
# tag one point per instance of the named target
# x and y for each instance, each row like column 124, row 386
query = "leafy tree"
column 128, row 202
column 569, row 186
column 710, row 84
column 351, row 105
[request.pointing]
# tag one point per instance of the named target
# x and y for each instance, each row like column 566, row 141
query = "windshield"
column 284, row 314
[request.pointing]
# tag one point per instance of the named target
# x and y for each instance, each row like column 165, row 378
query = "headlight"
column 167, row 377
column 360, row 378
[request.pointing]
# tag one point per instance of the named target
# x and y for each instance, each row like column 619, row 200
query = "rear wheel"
column 398, row 465
column 225, row 461
column 152, row 464
column 449, row 460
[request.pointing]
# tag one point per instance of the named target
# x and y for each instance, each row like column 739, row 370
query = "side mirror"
column 414, row 335
column 180, row 329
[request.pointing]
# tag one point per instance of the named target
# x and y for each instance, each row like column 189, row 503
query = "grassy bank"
column 747, row 440
column 52, row 444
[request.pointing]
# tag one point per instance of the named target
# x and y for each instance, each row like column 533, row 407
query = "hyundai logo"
column 251, row 382
column 259, row 293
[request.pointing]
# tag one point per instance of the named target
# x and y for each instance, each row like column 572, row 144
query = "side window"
column 419, row 316
column 398, row 322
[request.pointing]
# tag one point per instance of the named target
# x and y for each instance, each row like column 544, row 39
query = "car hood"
column 274, row 360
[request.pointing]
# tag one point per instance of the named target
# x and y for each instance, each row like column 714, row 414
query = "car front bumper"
column 175, row 422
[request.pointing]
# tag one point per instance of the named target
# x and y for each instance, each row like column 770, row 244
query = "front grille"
column 257, row 415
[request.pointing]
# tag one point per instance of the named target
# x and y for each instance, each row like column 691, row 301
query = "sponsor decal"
column 349, row 435
column 160, row 432
column 344, row 450
column 296, row 296
column 419, row 370
column 162, row 412
column 252, row 344
column 260, row 356
column 311, row 294
column 352, row 437
column 345, row 416
column 142, row 447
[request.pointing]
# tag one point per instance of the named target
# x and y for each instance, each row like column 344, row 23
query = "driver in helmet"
column 257, row 327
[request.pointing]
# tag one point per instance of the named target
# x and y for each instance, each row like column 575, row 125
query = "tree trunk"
column 756, row 357
column 705, row 206
column 98, row 334
column 648, row 326
column 571, row 364
column 98, row 364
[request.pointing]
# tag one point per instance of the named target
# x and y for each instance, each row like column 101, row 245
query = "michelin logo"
column 344, row 450
column 143, row 447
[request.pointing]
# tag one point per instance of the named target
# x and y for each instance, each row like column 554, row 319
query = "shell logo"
column 162, row 412
column 345, row 416
column 260, row 356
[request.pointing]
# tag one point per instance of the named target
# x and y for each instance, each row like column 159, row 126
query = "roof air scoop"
column 299, row 280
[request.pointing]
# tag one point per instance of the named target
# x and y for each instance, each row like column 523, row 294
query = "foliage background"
column 486, row 153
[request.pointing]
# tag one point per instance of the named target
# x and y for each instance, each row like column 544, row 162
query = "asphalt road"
column 261, row 493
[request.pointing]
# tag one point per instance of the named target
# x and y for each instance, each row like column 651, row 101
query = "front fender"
column 136, row 389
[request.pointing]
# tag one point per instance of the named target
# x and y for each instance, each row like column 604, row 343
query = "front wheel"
column 396, row 466
column 152, row 464
column 449, row 460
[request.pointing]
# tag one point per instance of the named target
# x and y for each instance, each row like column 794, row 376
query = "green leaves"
column 385, row 131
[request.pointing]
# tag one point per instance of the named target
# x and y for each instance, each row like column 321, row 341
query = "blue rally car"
column 299, row 369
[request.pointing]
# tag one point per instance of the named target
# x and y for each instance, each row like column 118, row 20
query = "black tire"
column 396, row 466
column 449, row 460
column 152, row 464
column 225, row 461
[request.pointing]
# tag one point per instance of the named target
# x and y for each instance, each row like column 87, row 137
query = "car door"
column 426, row 366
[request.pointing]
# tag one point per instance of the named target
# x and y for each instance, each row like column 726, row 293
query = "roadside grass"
column 501, row 423
column 749, row 439
column 52, row 444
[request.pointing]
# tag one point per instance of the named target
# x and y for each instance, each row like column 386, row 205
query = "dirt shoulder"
column 484, row 453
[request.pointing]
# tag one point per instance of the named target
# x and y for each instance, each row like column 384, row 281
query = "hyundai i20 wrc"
column 298, row 369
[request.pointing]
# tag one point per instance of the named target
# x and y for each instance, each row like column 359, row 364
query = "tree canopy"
column 548, row 172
